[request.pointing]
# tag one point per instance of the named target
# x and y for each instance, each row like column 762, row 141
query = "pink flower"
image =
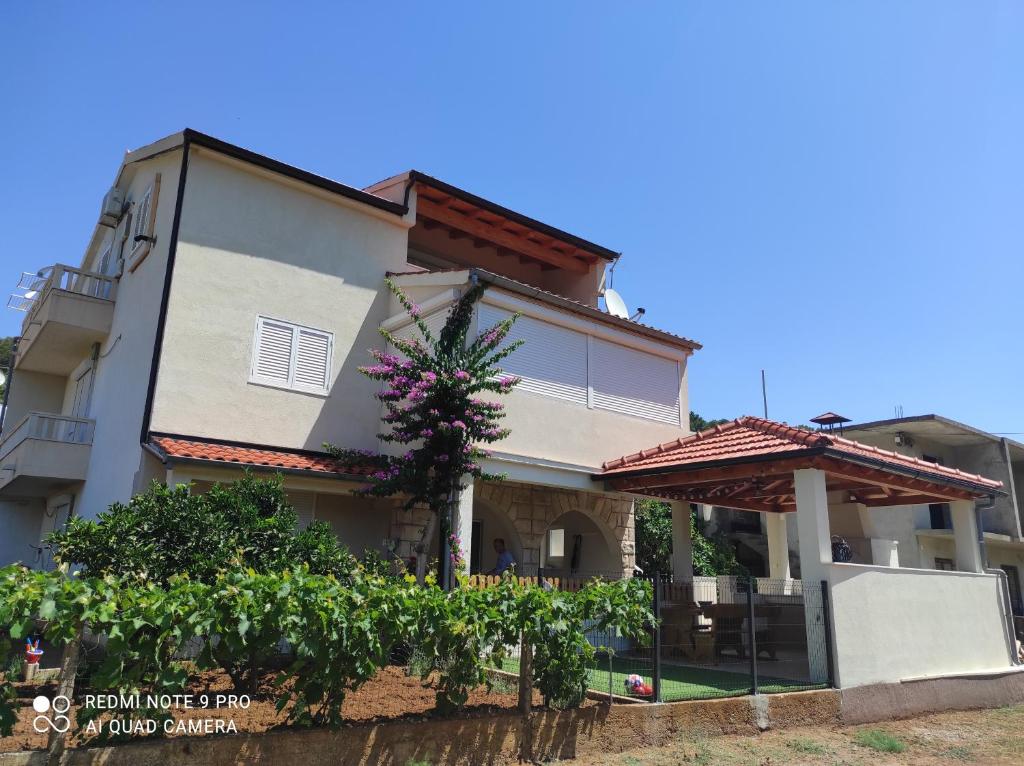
column 461, row 375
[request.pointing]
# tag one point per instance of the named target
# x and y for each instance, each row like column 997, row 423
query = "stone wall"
column 532, row 510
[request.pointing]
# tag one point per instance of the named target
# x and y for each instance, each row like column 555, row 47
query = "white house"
column 217, row 319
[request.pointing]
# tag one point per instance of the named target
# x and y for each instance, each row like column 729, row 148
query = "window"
column 143, row 224
column 287, row 355
column 944, row 565
column 940, row 516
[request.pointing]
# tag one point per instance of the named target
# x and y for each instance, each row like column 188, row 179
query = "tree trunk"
column 57, row 741
column 526, row 699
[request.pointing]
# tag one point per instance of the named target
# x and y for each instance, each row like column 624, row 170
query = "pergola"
column 759, row 465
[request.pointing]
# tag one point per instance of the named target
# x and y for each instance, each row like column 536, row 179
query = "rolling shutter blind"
column 435, row 323
column 552, row 361
column 303, row 503
column 312, row 362
column 633, row 382
column 273, row 352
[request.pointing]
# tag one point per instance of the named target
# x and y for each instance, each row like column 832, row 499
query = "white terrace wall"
column 897, row 624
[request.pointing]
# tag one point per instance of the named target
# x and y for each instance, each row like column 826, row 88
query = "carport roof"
column 748, row 463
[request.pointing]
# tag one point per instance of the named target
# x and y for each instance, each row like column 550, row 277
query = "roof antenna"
column 764, row 395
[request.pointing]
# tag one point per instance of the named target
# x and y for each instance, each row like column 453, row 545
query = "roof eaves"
column 276, row 166
column 420, row 177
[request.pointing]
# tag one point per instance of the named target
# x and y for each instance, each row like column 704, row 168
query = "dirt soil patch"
column 391, row 695
column 984, row 737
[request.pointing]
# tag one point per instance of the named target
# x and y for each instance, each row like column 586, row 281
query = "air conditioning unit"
column 112, row 207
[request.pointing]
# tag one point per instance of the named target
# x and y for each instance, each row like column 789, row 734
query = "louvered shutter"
column 141, row 217
column 552, row 361
column 634, row 382
column 273, row 358
column 312, row 360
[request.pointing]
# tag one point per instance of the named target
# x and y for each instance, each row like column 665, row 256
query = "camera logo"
column 51, row 715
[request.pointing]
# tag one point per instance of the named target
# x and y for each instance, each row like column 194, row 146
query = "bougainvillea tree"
column 434, row 390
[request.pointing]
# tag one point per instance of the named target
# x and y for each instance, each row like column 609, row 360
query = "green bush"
column 163, row 532
column 340, row 632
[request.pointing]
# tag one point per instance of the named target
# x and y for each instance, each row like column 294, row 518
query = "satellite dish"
column 615, row 305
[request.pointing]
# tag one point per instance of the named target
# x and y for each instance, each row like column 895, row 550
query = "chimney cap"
column 829, row 419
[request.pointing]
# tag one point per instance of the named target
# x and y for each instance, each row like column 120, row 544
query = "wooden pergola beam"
column 497, row 235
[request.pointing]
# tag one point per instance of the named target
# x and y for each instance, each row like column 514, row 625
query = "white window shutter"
column 313, row 360
column 273, row 357
column 142, row 217
column 634, row 382
column 552, row 361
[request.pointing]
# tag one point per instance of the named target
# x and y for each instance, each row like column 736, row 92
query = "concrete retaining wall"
column 495, row 739
column 879, row 702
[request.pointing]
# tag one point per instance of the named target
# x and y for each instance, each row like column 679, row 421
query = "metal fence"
column 714, row 637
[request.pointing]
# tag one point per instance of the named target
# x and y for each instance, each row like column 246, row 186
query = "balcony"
column 44, row 453
column 68, row 310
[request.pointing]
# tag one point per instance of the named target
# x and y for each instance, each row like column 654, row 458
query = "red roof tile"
column 750, row 437
column 263, row 457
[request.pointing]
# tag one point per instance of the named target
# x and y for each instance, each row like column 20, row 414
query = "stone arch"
column 532, row 509
column 495, row 522
column 598, row 552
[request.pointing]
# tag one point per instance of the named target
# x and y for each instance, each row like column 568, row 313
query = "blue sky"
column 830, row 191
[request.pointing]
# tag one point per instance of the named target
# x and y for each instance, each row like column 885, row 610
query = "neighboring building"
column 924, row 533
column 217, row 319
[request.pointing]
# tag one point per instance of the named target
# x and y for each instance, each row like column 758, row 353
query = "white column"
column 812, row 524
column 778, row 546
column 815, row 559
column 965, row 535
column 462, row 524
column 682, row 543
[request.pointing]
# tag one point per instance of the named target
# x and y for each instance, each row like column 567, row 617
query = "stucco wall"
column 253, row 245
column 554, row 429
column 894, row 624
column 32, row 392
column 21, row 521
column 122, row 371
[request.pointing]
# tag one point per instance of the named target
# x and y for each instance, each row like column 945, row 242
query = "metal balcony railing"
column 47, row 426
